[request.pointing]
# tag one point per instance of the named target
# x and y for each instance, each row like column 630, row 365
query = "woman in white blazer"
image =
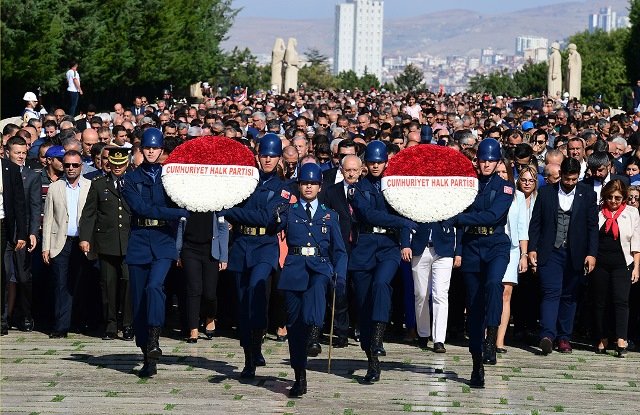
column 617, row 266
column 518, row 230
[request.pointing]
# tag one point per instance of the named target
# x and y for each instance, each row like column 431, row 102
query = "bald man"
column 414, row 136
column 289, row 162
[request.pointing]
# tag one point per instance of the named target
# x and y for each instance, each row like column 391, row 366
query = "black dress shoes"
column 341, row 342
column 58, row 335
column 192, row 340
column 299, row 388
column 423, row 343
column 210, row 333
column 27, row 325
column 439, row 348
column 127, row 333
column 4, row 330
column 109, row 336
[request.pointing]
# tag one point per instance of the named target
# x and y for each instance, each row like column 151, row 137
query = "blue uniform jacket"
column 490, row 208
column 147, row 199
column 446, row 239
column 257, row 211
column 370, row 209
column 323, row 232
column 219, row 240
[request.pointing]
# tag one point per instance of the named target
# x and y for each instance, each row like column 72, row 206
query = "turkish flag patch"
column 285, row 195
column 508, row 190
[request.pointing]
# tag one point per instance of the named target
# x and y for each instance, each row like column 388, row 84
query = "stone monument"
column 574, row 72
column 554, row 77
column 292, row 64
column 277, row 73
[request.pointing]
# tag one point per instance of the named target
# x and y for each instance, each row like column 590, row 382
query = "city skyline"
column 313, row 9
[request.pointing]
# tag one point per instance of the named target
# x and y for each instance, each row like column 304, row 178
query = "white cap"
column 29, row 96
column 205, row 84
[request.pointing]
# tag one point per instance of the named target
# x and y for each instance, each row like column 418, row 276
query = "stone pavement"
column 85, row 375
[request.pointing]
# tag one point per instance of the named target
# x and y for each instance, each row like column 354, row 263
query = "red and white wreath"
column 429, row 183
column 209, row 174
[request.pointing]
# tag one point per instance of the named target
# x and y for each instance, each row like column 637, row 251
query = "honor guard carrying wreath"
column 254, row 253
column 152, row 247
column 485, row 256
column 375, row 256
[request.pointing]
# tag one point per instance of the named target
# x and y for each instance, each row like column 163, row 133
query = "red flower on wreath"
column 430, row 160
column 214, row 150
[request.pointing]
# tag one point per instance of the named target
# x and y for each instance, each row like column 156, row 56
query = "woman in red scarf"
column 617, row 266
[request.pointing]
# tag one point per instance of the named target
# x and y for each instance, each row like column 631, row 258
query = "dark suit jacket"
column 133, row 110
column 82, row 124
column 33, row 199
column 13, row 202
column 105, row 219
column 625, row 179
column 329, row 177
column 582, row 237
column 334, row 198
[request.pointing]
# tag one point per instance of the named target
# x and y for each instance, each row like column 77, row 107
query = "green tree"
column 316, row 74
column 410, row 79
column 632, row 53
column 368, row 81
column 603, row 65
column 497, row 82
column 314, row 57
column 347, row 80
column 118, row 43
column 240, row 68
column 532, row 79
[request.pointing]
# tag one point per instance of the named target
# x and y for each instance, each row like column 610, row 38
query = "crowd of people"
column 551, row 242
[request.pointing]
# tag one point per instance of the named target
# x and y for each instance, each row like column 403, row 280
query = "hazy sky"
column 309, row 9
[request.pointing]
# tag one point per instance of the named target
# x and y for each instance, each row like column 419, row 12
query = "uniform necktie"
column 308, row 208
column 377, row 185
column 120, row 183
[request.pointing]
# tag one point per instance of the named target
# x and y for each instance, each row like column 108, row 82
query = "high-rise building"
column 358, row 37
column 606, row 20
column 530, row 42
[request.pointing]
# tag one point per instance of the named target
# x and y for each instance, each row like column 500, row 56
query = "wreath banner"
column 209, row 174
column 429, row 183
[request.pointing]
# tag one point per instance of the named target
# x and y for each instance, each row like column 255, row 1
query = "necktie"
column 119, row 183
column 377, row 185
column 308, row 209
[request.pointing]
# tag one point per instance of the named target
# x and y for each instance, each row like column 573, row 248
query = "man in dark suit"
column 104, row 229
column 335, row 197
column 17, row 152
column 13, row 222
column 334, row 175
column 563, row 243
column 138, row 106
column 599, row 165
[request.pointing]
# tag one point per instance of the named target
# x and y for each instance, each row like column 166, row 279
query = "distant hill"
column 451, row 32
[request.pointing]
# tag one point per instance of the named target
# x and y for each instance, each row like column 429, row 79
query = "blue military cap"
column 55, row 152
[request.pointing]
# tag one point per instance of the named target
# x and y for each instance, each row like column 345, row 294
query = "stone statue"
column 574, row 72
column 554, row 77
column 292, row 64
column 277, row 73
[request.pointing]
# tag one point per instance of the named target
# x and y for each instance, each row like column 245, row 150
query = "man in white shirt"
column 73, row 87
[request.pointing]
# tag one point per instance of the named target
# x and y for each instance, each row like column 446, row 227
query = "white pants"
column 431, row 275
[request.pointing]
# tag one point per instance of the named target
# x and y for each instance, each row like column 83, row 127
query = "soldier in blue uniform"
column 316, row 257
column 152, row 247
column 254, row 253
column 485, row 256
column 375, row 255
